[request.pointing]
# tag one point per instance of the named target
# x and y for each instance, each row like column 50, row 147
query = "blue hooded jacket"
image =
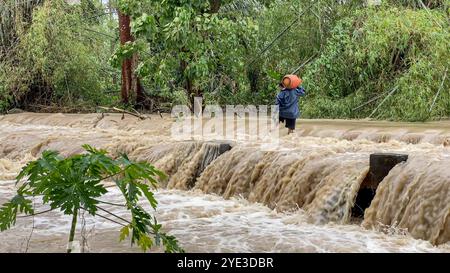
column 287, row 102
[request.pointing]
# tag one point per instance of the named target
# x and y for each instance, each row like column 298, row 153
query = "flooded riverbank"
column 295, row 199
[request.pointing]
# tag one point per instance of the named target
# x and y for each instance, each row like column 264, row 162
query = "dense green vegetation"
column 395, row 50
column 388, row 61
column 58, row 59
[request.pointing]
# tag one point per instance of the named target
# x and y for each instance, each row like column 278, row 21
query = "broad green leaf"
column 124, row 233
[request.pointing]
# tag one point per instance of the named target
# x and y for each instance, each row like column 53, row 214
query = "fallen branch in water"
column 122, row 111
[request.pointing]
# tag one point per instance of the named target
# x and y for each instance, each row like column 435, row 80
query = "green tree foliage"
column 305, row 27
column 77, row 183
column 59, row 59
column 15, row 15
column 184, row 47
column 376, row 51
column 351, row 55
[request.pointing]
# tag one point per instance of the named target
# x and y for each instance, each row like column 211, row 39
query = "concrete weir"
column 380, row 166
column 222, row 196
column 213, row 149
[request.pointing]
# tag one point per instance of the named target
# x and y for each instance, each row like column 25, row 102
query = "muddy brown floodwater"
column 297, row 198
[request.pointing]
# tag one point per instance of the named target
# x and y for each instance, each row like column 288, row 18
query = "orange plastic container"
column 291, row 81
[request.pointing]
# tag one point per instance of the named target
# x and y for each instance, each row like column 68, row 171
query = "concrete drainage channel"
column 380, row 166
column 214, row 150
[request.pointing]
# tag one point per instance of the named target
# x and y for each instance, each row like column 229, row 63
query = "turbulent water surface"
column 297, row 198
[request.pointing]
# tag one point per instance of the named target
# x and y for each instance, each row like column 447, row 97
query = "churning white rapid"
column 297, row 198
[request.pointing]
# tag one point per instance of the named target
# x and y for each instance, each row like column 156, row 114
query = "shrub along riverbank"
column 384, row 62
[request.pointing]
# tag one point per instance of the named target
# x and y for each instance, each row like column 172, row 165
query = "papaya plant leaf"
column 78, row 181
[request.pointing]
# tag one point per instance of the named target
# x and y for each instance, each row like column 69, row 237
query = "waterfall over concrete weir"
column 316, row 176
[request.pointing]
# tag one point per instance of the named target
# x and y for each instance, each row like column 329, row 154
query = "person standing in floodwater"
column 287, row 101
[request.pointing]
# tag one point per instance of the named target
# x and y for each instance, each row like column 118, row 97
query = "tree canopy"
column 351, row 55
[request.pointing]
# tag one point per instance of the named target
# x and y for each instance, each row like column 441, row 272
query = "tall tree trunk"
column 131, row 85
column 125, row 36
